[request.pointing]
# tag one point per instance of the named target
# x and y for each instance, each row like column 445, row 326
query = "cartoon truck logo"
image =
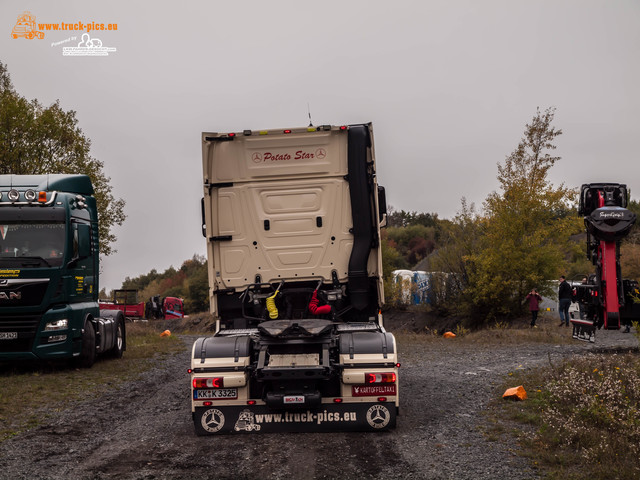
column 26, row 27
column 246, row 422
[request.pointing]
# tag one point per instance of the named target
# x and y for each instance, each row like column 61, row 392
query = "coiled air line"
column 271, row 303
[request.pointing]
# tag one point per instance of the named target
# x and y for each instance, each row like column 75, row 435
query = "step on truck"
column 292, row 220
column 49, row 272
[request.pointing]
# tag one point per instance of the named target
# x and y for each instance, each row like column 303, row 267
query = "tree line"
column 189, row 282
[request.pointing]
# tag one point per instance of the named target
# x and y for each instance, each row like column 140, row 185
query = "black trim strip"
column 360, row 194
column 219, row 139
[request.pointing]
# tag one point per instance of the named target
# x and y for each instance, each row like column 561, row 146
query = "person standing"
column 534, row 300
column 583, row 297
column 565, row 293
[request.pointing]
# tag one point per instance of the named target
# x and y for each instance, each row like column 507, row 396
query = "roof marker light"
column 42, row 197
column 287, row 131
column 264, row 132
column 231, row 135
column 343, row 127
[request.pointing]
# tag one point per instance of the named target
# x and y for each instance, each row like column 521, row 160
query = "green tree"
column 461, row 241
column 525, row 232
column 35, row 140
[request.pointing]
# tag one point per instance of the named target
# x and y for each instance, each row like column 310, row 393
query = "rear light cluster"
column 215, row 382
column 379, row 378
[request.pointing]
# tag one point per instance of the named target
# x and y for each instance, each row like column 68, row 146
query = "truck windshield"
column 35, row 244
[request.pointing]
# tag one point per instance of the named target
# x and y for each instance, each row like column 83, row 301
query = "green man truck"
column 292, row 222
column 49, row 272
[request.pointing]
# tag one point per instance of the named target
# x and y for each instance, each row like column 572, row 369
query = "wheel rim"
column 119, row 337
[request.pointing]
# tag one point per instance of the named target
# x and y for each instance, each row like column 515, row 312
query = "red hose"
column 315, row 309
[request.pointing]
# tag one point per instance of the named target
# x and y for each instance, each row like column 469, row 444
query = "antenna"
column 309, row 112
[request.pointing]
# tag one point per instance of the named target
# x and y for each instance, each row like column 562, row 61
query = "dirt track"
column 445, row 386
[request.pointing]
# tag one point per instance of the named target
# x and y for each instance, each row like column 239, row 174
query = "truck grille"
column 25, row 326
column 22, row 292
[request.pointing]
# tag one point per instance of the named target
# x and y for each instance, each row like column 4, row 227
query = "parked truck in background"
column 165, row 308
column 49, row 272
column 292, row 221
column 125, row 300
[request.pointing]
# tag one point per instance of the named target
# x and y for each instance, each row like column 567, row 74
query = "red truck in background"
column 127, row 302
column 167, row 308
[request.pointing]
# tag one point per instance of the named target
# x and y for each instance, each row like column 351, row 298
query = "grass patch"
column 498, row 334
column 582, row 418
column 26, row 387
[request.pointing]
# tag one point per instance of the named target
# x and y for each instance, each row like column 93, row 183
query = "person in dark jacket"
column 565, row 293
column 534, row 300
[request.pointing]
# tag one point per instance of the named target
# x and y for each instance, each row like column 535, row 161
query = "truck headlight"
column 61, row 324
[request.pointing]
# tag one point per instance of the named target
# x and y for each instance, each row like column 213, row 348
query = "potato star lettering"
column 300, row 155
column 276, row 157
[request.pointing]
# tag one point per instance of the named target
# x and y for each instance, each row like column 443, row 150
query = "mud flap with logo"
column 328, row 418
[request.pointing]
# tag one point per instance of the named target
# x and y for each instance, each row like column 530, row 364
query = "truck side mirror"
column 382, row 206
column 204, row 223
column 84, row 240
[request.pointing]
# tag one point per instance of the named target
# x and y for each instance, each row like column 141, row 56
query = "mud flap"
column 328, row 418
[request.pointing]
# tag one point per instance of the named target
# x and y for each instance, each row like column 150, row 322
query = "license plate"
column 373, row 390
column 289, row 399
column 213, row 394
column 8, row 335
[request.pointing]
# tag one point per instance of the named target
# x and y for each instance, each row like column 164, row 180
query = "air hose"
column 313, row 304
column 271, row 303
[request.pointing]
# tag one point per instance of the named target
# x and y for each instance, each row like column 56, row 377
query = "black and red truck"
column 604, row 296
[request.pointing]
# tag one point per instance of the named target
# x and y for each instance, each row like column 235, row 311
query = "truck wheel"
column 118, row 348
column 88, row 353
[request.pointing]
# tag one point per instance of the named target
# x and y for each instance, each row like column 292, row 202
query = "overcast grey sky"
column 449, row 86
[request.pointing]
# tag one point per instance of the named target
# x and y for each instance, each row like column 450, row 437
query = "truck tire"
column 118, row 348
column 88, row 352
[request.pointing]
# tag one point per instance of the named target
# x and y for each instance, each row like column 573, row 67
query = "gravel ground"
column 144, row 430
